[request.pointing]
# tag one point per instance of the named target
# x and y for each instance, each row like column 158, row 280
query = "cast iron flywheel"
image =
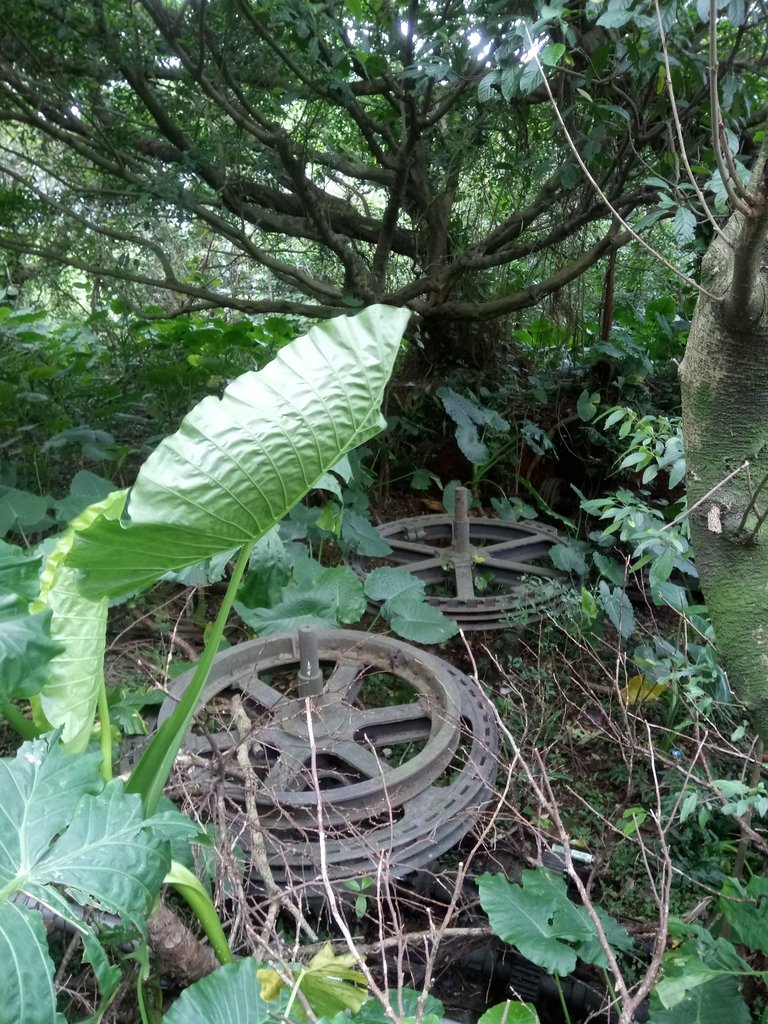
column 485, row 573
column 405, row 749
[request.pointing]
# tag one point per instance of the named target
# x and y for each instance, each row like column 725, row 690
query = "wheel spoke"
column 345, row 678
column 287, row 774
column 465, row 581
column 524, row 568
column 262, row 692
column 198, row 743
column 361, row 759
column 408, row 547
column 383, row 727
column 503, row 546
column 424, row 566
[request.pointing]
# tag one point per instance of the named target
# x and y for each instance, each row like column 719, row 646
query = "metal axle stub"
column 403, row 750
column 485, row 573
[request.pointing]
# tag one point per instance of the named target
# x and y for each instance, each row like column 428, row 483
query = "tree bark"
column 724, row 378
column 182, row 954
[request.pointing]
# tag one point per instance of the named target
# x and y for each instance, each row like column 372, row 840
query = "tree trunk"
column 724, row 380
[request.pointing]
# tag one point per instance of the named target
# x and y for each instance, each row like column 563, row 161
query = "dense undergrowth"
column 624, row 769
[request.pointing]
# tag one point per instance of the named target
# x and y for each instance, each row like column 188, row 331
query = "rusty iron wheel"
column 484, row 573
column 404, row 758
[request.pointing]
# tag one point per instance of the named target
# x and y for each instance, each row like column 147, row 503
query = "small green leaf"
column 386, row 582
column 360, row 535
column 684, row 225
column 587, row 404
column 615, row 18
column 568, row 558
column 551, row 55
column 610, row 568
column 526, row 916
column 26, row 969
column 231, row 995
column 617, row 606
column 677, row 473
column 332, row 984
column 26, row 648
column 20, row 509
column 510, row 1013
column 413, row 619
column 661, row 567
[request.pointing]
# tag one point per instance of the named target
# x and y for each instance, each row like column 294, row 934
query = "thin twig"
column 330, row 894
column 686, row 512
column 678, row 126
column 736, row 200
column 256, row 836
column 596, row 186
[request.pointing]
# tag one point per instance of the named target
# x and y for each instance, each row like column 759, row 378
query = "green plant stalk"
column 23, row 726
column 479, row 472
column 191, row 889
column 142, row 956
column 105, row 736
column 150, row 775
column 294, row 993
column 561, row 997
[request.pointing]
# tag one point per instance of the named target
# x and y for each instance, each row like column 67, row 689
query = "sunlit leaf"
column 640, row 689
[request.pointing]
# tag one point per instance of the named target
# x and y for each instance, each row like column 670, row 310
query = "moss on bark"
column 724, row 379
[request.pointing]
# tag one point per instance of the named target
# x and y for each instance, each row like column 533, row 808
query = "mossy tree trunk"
column 725, row 418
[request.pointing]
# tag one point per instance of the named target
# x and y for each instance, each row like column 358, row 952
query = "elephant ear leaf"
column 78, row 627
column 68, row 842
column 239, row 463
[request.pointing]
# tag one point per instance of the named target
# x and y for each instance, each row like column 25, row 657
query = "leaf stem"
column 105, row 736
column 23, row 726
column 191, row 889
column 561, row 996
column 150, row 775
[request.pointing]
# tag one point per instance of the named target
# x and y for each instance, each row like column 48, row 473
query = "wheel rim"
column 404, row 780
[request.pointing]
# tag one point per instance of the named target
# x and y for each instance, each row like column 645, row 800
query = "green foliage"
column 70, row 842
column 26, row 646
column 247, row 458
column 405, row 608
column 248, row 992
column 232, row 994
column 220, row 210
column 541, row 922
column 317, row 597
column 701, row 980
column 653, row 444
column 226, row 477
column 469, row 415
column 510, row 1013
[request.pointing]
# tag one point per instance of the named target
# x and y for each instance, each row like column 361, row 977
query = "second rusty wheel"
column 484, row 573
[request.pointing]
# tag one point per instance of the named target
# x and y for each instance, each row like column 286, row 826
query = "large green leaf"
column 26, row 969
column 715, row 1002
column 63, row 831
column 26, row 646
column 538, row 918
column 26, row 649
column 319, row 597
column 510, row 1013
column 238, row 464
column 231, row 995
column 78, row 623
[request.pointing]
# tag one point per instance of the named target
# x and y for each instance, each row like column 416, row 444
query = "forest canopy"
column 311, row 158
